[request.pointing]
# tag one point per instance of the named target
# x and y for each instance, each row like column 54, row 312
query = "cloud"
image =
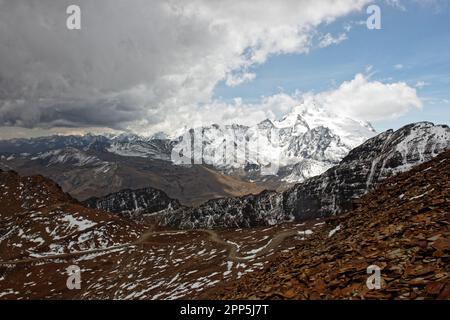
column 328, row 40
column 437, row 5
column 399, row 66
column 234, row 80
column 348, row 27
column 370, row 100
column 397, row 4
column 142, row 65
column 235, row 112
column 358, row 98
column 421, row 84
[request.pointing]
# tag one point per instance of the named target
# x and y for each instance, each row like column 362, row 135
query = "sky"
column 163, row 65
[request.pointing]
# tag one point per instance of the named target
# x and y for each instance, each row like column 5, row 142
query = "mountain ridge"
column 304, row 143
column 134, row 203
column 330, row 193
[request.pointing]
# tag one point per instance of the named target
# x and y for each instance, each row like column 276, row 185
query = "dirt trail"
column 232, row 248
column 213, row 236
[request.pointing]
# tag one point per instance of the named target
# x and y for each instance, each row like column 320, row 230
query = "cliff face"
column 265, row 208
column 134, row 203
column 364, row 168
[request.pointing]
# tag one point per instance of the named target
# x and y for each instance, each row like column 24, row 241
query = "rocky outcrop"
column 135, row 203
column 248, row 211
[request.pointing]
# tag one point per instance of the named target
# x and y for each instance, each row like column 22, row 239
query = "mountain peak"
column 159, row 136
column 266, row 124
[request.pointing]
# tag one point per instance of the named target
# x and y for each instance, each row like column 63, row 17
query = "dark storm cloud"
column 140, row 64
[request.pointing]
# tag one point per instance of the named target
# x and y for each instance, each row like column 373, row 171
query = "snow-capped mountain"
column 85, row 168
column 306, row 142
column 73, row 157
column 332, row 192
column 389, row 153
column 129, row 145
column 231, row 160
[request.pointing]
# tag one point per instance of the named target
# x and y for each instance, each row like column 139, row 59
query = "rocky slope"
column 43, row 231
column 329, row 193
column 364, row 167
column 402, row 227
column 134, row 203
column 263, row 209
column 38, row 219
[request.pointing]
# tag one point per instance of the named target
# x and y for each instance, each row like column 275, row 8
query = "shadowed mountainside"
column 402, row 227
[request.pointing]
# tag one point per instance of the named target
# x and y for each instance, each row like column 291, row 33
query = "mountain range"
column 327, row 194
column 401, row 227
column 83, row 167
column 333, row 192
column 224, row 161
column 304, row 143
column 384, row 203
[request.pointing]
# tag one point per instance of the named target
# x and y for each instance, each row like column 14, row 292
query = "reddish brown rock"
column 407, row 237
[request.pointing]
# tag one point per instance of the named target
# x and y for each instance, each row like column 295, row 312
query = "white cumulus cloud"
column 359, row 98
column 368, row 100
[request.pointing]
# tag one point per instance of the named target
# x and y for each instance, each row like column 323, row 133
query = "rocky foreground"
column 402, row 227
column 44, row 231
